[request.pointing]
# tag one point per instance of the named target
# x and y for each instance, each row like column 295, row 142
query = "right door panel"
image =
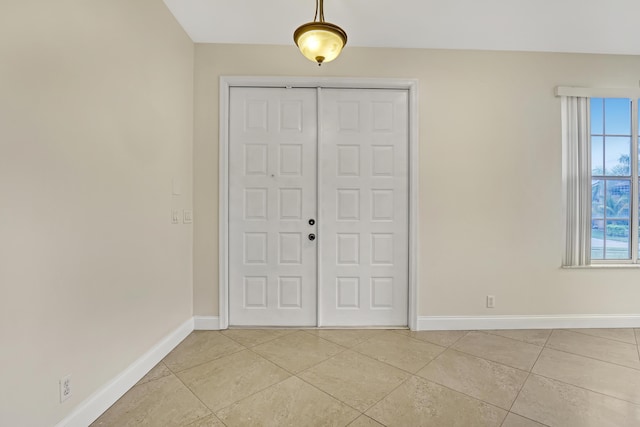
column 364, row 169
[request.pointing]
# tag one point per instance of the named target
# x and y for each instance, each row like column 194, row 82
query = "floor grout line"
column 577, row 331
column 486, row 360
column 548, row 338
column 256, row 392
column 333, row 397
column 197, row 397
column 154, row 379
column 456, row 341
column 251, row 395
column 230, row 354
column 586, row 389
column 394, row 366
column 384, row 397
column 424, row 342
column 493, row 361
column 527, row 379
column 374, row 360
column 507, row 338
column 204, row 363
column 463, row 393
column 341, row 345
column 549, row 347
column 367, row 416
column 342, row 349
column 494, row 333
column 222, row 332
column 592, row 358
column 435, row 343
column 520, row 391
column 527, row 418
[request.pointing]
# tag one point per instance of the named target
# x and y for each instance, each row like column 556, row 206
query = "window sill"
column 599, row 266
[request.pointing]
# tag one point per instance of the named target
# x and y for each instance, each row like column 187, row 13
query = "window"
column 601, row 175
column 614, row 179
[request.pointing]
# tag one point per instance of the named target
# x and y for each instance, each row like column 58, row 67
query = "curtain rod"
column 598, row 92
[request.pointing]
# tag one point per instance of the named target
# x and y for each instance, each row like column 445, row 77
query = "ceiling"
column 588, row 26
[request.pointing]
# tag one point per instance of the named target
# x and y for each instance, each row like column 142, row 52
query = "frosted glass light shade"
column 320, row 41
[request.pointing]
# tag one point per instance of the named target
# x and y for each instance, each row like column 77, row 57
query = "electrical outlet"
column 491, row 301
column 65, row 388
column 175, row 216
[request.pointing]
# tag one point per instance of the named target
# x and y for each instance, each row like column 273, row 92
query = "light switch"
column 187, row 216
column 176, row 188
column 175, row 216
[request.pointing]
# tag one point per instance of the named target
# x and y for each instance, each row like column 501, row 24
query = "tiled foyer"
column 287, row 377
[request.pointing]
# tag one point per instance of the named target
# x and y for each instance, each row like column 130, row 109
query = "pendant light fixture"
column 320, row 41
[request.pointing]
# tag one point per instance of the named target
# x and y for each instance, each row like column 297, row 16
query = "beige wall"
column 490, row 165
column 96, row 118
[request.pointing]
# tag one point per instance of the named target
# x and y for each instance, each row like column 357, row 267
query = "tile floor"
column 281, row 377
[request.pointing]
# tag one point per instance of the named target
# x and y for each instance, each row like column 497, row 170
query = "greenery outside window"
column 614, row 180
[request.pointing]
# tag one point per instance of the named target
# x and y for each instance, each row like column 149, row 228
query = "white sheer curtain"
column 576, row 176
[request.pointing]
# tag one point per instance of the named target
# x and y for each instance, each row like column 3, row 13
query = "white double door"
column 318, row 207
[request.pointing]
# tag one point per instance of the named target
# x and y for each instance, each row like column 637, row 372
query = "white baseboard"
column 91, row 408
column 206, row 323
column 440, row 323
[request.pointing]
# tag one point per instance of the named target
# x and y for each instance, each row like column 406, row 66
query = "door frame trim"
column 226, row 82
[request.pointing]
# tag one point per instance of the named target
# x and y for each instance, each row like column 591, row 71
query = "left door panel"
column 272, row 197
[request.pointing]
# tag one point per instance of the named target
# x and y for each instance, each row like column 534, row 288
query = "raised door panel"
column 364, row 208
column 272, row 195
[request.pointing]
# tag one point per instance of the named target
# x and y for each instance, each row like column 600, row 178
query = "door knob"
column 312, row 221
column 312, row 237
